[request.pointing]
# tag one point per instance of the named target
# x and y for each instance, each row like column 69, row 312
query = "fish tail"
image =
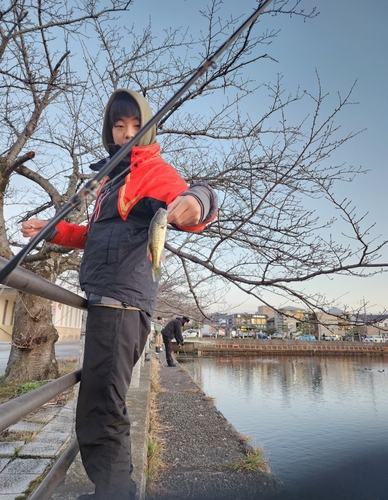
column 156, row 273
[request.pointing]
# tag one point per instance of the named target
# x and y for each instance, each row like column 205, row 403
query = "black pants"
column 114, row 341
column 168, row 347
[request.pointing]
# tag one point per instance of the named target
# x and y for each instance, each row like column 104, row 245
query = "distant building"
column 7, row 312
column 291, row 320
column 268, row 311
column 66, row 319
column 246, row 324
column 371, row 324
column 333, row 322
column 219, row 318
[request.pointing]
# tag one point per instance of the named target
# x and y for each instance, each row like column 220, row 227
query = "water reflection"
column 313, row 415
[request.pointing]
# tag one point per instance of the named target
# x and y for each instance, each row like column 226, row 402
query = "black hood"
column 113, row 148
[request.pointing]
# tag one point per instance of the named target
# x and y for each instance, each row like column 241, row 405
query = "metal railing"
column 12, row 411
column 27, row 281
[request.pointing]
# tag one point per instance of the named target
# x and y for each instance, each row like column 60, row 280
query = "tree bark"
column 32, row 355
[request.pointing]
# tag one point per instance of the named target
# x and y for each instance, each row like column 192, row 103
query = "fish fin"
column 149, row 253
column 156, row 273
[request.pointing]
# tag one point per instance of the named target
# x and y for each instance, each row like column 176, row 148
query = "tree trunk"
column 32, row 355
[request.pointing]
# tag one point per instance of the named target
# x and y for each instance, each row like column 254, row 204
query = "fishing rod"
column 92, row 184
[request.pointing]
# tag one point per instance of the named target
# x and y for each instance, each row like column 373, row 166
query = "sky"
column 346, row 43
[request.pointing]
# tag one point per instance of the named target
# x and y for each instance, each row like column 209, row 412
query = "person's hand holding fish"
column 184, row 211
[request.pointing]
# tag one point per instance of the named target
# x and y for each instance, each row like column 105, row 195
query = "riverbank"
column 321, row 419
column 242, row 347
column 200, row 447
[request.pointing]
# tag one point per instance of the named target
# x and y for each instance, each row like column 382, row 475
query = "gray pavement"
column 47, row 432
column 199, row 443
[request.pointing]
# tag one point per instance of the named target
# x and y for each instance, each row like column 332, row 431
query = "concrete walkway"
column 198, row 444
column 76, row 481
column 52, row 428
column 22, row 462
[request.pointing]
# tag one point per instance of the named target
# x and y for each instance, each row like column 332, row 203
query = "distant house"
column 290, row 320
column 7, row 312
column 371, row 324
column 333, row 322
column 67, row 320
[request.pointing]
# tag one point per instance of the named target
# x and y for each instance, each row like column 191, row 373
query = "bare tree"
column 269, row 170
column 36, row 77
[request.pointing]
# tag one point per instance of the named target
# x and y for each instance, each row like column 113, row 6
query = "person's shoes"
column 171, row 365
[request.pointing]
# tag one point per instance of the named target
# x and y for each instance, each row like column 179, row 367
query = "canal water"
column 322, row 421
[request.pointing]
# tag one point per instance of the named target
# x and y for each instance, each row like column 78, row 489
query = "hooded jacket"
column 115, row 262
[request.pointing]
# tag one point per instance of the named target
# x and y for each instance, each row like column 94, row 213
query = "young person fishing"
column 116, row 274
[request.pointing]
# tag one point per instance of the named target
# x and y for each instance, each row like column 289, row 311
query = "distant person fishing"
column 172, row 330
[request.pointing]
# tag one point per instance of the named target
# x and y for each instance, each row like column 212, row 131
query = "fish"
column 156, row 238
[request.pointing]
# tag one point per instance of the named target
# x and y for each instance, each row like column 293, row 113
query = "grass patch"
column 7, row 392
column 67, row 365
column 154, row 457
column 243, row 439
column 254, row 461
column 25, row 436
column 155, row 444
column 11, row 391
column 210, row 399
column 155, row 378
column 21, row 389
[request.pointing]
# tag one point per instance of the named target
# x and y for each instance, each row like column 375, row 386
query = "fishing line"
column 93, row 183
column 184, row 350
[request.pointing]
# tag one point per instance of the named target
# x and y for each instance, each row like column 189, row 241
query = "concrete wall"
column 235, row 347
column 7, row 309
column 67, row 320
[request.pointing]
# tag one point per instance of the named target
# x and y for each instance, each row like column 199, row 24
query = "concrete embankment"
column 241, row 347
column 199, row 447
